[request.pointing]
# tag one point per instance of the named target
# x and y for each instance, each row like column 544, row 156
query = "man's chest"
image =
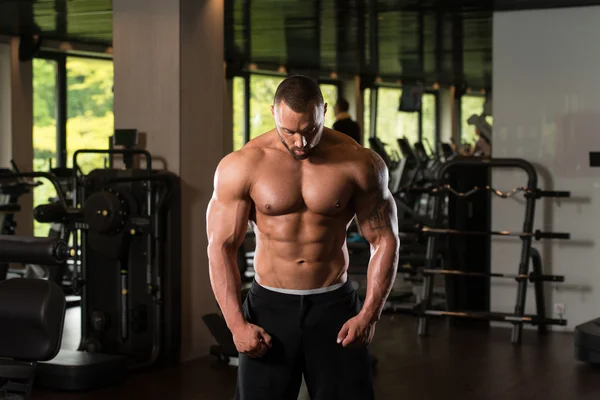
column 321, row 189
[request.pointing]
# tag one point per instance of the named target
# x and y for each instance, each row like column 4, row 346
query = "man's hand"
column 251, row 340
column 357, row 331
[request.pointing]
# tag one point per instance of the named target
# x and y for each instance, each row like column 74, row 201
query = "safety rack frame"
column 424, row 311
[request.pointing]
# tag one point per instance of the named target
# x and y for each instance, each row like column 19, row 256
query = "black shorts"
column 304, row 330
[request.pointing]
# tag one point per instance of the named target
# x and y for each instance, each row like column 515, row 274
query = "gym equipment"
column 393, row 162
column 129, row 249
column 536, row 235
column 32, row 313
column 19, row 249
column 587, row 341
column 518, row 318
column 13, row 185
column 587, row 334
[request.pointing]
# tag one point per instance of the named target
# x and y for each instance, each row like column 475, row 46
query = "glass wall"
column 239, row 105
column 330, row 96
column 262, row 91
column 367, row 93
column 44, row 131
column 393, row 124
column 428, row 122
column 90, row 118
column 469, row 105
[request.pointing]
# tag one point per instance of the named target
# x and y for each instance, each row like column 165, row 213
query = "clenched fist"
column 251, row 340
column 356, row 332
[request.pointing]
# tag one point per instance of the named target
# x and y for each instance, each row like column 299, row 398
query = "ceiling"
column 444, row 41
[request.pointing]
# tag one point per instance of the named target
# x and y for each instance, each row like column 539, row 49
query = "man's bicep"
column 227, row 221
column 376, row 214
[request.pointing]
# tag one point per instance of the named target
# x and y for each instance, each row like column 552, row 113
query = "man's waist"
column 295, row 296
column 304, row 292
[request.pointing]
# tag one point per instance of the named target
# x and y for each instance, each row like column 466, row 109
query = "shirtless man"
column 300, row 185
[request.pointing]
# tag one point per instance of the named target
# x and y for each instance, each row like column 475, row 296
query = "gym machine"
column 481, row 290
column 127, row 243
column 587, row 334
column 32, row 314
column 13, row 185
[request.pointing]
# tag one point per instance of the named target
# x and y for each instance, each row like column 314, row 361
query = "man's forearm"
column 380, row 277
column 226, row 284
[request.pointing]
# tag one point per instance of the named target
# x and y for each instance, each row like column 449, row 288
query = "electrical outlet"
column 559, row 309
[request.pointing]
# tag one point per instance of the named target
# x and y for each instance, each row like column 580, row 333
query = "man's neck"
column 342, row 115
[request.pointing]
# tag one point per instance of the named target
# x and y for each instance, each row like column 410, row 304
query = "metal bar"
column 493, row 316
column 373, row 15
column 439, row 63
column 458, row 67
column 536, row 235
column 113, row 151
column 247, row 119
column 494, row 163
column 534, row 277
column 39, row 174
column 61, row 110
column 517, row 331
column 247, row 16
column 552, row 193
column 536, row 261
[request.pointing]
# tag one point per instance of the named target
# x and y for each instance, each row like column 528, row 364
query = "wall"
column 170, row 84
column 16, row 121
column 547, row 111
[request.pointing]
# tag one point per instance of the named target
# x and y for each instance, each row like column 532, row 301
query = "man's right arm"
column 227, row 222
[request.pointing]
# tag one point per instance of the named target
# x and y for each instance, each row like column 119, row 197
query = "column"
column 170, row 84
column 16, row 121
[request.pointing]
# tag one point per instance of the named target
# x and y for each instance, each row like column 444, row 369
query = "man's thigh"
column 276, row 375
column 331, row 370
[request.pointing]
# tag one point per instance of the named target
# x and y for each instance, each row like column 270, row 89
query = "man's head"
column 299, row 113
column 342, row 106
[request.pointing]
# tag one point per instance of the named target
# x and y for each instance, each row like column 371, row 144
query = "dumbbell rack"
column 523, row 275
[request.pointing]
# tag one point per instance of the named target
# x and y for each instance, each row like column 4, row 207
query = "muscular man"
column 300, row 185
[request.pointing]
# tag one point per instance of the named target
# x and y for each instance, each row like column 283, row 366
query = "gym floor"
column 451, row 363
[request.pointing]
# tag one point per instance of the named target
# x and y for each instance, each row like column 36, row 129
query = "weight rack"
column 523, row 276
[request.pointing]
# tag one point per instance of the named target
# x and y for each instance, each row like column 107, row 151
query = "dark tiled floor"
column 450, row 364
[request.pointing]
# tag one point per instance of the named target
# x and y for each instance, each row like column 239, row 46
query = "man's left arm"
column 378, row 221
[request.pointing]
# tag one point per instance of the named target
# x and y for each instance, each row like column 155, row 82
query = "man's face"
column 299, row 132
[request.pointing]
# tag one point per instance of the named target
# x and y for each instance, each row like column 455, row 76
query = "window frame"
column 62, row 97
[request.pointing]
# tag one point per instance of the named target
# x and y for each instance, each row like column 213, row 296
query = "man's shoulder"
column 369, row 167
column 240, row 159
column 370, row 160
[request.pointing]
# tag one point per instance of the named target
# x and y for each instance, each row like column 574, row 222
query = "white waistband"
column 304, row 292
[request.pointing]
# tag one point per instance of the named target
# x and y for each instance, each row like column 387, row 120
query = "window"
column 90, row 119
column 393, row 124
column 262, row 91
column 367, row 117
column 330, row 96
column 44, row 131
column 428, row 122
column 469, row 105
column 239, row 99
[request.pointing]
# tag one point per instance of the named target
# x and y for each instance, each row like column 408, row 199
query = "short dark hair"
column 298, row 92
column 343, row 105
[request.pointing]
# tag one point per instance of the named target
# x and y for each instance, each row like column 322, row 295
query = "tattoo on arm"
column 379, row 217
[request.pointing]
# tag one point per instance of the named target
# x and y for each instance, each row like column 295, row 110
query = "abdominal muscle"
column 299, row 255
